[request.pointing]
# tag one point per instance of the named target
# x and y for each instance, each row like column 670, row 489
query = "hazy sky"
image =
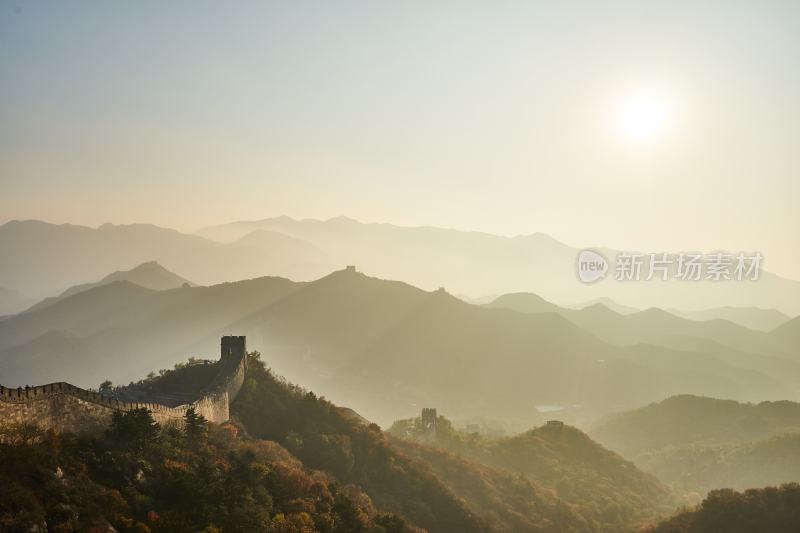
column 495, row 116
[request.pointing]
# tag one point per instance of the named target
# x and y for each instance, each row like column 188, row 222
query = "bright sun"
column 642, row 117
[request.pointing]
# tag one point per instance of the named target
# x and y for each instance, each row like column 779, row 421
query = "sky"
column 505, row 117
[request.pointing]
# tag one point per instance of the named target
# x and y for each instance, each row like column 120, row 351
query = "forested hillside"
column 768, row 510
column 609, row 492
column 682, row 420
column 699, row 444
column 140, row 478
column 324, row 437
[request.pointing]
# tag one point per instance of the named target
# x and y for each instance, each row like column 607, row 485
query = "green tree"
column 135, row 429
column 195, row 427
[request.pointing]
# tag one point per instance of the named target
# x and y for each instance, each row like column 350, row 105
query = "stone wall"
column 64, row 407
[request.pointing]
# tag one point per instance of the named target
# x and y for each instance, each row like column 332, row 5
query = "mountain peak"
column 149, row 275
column 148, row 265
column 599, row 307
column 526, row 302
column 341, row 219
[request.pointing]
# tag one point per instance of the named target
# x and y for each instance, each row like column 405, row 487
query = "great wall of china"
column 65, row 407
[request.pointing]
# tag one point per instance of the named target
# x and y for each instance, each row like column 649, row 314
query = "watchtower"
column 429, row 420
column 233, row 348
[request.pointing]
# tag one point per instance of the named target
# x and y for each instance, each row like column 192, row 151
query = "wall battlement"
column 65, row 407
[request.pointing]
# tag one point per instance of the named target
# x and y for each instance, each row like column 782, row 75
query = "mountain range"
column 386, row 348
column 470, row 263
column 41, row 260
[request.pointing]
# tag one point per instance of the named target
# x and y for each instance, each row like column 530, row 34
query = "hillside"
column 683, row 420
column 509, row 502
column 610, row 492
column 139, row 477
column 150, row 275
column 321, row 436
column 773, row 509
column 700, row 468
column 290, row 462
column 698, row 444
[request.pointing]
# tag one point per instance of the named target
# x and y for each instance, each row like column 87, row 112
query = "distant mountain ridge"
column 656, row 326
column 12, row 301
column 43, row 259
column 386, row 347
column 150, row 275
column 750, row 317
column 477, row 263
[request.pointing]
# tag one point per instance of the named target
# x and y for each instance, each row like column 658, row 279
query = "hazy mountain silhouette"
column 657, row 326
column 787, row 334
column 749, row 317
column 12, row 301
column 476, row 263
column 149, row 275
column 607, row 302
column 44, row 259
column 382, row 347
column 740, row 363
column 122, row 331
column 525, row 302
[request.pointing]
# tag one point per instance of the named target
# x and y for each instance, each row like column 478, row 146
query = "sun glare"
column 642, row 117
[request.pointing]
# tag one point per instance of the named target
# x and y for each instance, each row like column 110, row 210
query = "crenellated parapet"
column 42, row 392
column 64, row 407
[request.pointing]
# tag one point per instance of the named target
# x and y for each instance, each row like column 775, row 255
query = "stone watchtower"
column 233, row 348
column 429, row 420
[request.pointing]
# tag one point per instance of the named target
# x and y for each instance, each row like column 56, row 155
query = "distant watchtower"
column 429, row 420
column 233, row 348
